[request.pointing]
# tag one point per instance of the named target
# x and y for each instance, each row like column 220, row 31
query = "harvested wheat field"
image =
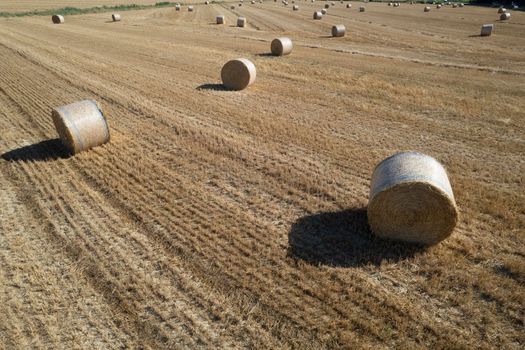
column 237, row 219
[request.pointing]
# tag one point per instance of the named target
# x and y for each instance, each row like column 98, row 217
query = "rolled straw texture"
column 486, row 29
column 338, row 30
column 411, row 200
column 115, row 17
column 238, row 74
column 57, row 19
column 81, row 125
column 281, row 46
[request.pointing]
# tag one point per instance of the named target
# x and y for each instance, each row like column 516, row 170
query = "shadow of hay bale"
column 42, row 151
column 216, row 87
column 343, row 239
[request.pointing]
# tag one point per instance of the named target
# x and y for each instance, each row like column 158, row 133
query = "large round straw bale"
column 220, row 19
column 241, row 22
column 461, row 5
column 238, row 74
column 504, row 16
column 361, row 9
column 411, row 199
column 190, row 8
column 253, row 2
column 318, row 15
column 486, row 29
column 332, row 3
column 232, row 7
column 115, row 17
column 389, row 4
column 57, row 19
column 281, row 46
column 177, row 7
column 454, row 5
column 323, row 11
column 206, row 3
column 295, row 8
column 348, row 6
column 502, row 10
column 427, row 9
column 81, row 125
column 338, row 30
column 438, row 6
column 326, row 6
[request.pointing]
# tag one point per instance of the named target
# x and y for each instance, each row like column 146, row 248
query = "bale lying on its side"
column 177, row 7
column 281, row 46
column 238, row 74
column 427, row 9
column 348, row 6
column 253, row 2
column 504, row 16
column 81, row 125
column 454, row 6
column 318, row 15
column 502, row 10
column 438, row 6
column 115, row 17
column 361, row 9
column 206, row 3
column 326, row 6
column 323, row 11
column 411, row 200
column 295, row 8
column 232, row 7
column 486, row 29
column 461, row 5
column 338, row 30
column 190, row 8
column 57, row 19
column 241, row 22
column 220, row 19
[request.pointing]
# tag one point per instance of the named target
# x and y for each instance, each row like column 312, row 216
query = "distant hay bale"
column 389, row 4
column 220, row 19
column 411, row 200
column 190, row 8
column 177, row 7
column 115, row 17
column 348, row 6
column 238, row 74
column 323, row 11
column 454, row 5
column 240, row 5
column 253, row 2
column 504, row 16
column 486, row 29
column 332, row 3
column 81, row 125
column 502, row 10
column 206, row 3
column 326, row 6
column 338, row 30
column 427, row 9
column 361, row 9
column 57, row 19
column 241, row 22
column 438, row 6
column 281, row 46
column 232, row 7
column 295, row 8
column 318, row 15
column 461, row 5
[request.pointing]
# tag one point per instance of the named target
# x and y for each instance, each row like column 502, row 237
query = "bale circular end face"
column 220, row 19
column 502, row 10
column 318, row 15
column 241, row 22
column 281, row 46
column 323, row 11
column 504, row 16
column 326, row 6
column 438, row 6
column 190, row 8
column 81, row 125
column 232, row 7
column 115, row 17
column 348, row 6
column 338, row 31
column 57, row 19
column 177, row 7
column 295, row 8
column 238, row 74
column 486, row 29
column 362, row 9
column 427, row 9
column 411, row 200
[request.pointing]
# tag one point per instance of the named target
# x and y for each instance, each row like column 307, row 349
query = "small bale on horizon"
column 57, row 19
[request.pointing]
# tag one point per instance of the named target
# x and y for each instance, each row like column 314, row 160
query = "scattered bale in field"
column 326, row 6
column 389, row 4
column 361, row 9
column 281, row 46
column 241, row 22
column 454, row 5
column 486, row 29
column 57, row 19
column 438, row 6
column 427, row 9
column 115, row 17
column 461, row 5
column 206, row 3
column 177, row 7
column 323, row 11
column 502, row 10
column 295, row 8
column 190, row 8
column 238, row 74
column 396, row 4
column 411, row 200
column 253, row 2
column 332, row 3
column 348, row 6
column 240, row 5
column 232, row 7
column 220, row 19
column 81, row 125
column 504, row 16
column 338, row 30
column 318, row 15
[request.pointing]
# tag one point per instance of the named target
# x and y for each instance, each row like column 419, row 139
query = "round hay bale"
column 206, row 3
column 389, row 4
column 177, row 7
column 332, row 3
column 241, row 22
column 361, row 9
column 338, row 31
column 502, row 10
column 295, row 8
column 486, row 29
column 240, row 5
column 461, row 5
column 281, row 46
column 253, row 2
column 454, row 6
column 57, row 19
column 427, row 9
column 220, row 19
column 115, row 17
column 318, row 15
column 438, row 6
column 190, row 8
column 411, row 199
column 323, row 11
column 81, row 125
column 238, row 74
column 326, row 6
column 504, row 16
column 348, row 6
column 232, row 7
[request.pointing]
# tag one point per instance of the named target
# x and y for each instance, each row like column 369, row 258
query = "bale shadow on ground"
column 343, row 239
column 216, row 87
column 265, row 54
column 42, row 151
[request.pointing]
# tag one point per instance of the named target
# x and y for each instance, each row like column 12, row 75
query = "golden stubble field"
column 218, row 219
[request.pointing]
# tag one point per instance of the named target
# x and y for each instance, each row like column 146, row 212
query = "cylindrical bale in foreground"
column 190, row 8
column 115, row 17
column 318, row 15
column 338, row 30
column 57, row 19
column 411, row 200
column 220, row 19
column 241, row 22
column 486, row 29
column 504, row 16
column 502, row 10
column 361, row 9
column 323, row 11
column 281, row 46
column 238, row 74
column 81, row 125
column 295, row 8
column 427, row 9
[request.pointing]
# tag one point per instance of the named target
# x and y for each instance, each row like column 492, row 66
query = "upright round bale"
column 361, row 9
column 295, row 8
column 438, row 6
column 502, row 10
column 57, row 19
column 411, row 200
column 238, row 74
column 190, row 8
column 326, row 6
column 81, row 125
column 323, row 11
column 281, row 46
column 504, row 16
column 348, row 6
column 177, row 7
column 486, row 29
column 115, row 17
column 318, row 15
column 338, row 31
column 427, row 9
column 241, row 22
column 220, row 19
